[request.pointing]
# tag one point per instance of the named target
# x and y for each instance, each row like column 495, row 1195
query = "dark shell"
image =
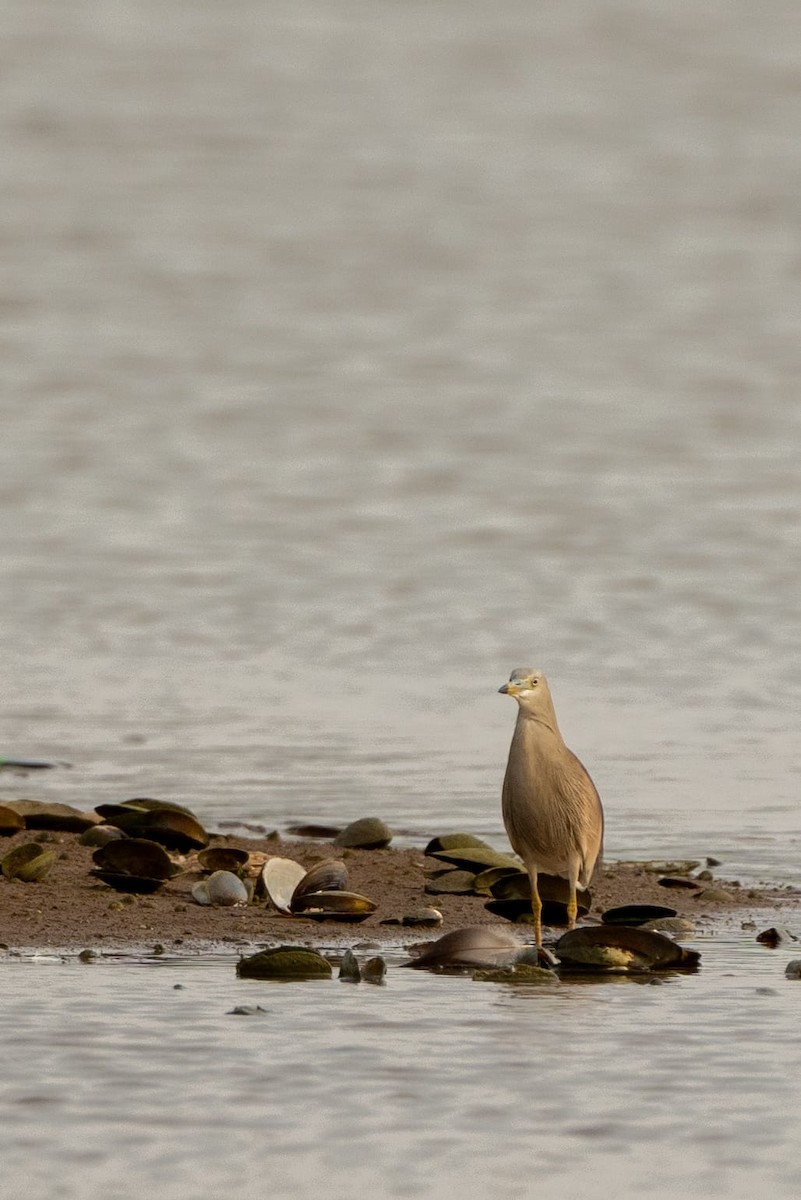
column 328, row 876
column 368, row 833
column 323, row 832
column 170, row 824
column 636, row 914
column 334, row 906
column 485, row 881
column 349, row 969
column 62, row 818
column 621, row 948
column 28, row 862
column 223, row 858
column 11, row 821
column 284, row 962
column 121, row 881
column 678, row 881
column 512, row 898
column 135, row 856
column 450, row 841
column 374, row 970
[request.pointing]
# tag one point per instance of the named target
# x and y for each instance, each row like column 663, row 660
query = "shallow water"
column 352, row 357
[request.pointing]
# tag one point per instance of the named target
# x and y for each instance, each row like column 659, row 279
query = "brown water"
column 352, row 356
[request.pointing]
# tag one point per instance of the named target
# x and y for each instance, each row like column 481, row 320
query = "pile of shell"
column 475, row 868
column 320, row 893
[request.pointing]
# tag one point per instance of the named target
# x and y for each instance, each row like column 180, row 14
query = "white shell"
column 226, row 889
column 280, row 877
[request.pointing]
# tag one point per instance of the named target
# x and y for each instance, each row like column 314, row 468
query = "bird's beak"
column 509, row 689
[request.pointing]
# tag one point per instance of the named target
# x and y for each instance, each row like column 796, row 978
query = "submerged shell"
column 28, row 863
column 279, row 878
column 636, row 914
column 285, row 962
column 334, row 906
column 523, row 972
column 621, row 948
column 11, row 821
column 223, row 858
column 368, row 833
column 472, row 946
column 222, row 888
column 135, row 856
column 331, row 875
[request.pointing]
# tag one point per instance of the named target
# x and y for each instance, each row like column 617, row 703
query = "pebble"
column 775, row 937
column 793, row 969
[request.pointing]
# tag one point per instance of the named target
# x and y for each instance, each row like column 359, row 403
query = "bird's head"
column 533, row 694
column 530, row 689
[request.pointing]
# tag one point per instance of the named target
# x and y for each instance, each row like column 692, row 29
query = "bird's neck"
column 528, row 722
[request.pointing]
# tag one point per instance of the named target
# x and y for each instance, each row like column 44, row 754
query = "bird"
column 551, row 809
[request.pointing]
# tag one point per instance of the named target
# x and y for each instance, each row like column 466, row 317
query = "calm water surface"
column 352, row 357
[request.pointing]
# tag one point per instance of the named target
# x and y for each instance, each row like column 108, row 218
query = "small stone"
column 793, row 969
column 715, row 896
column 179, row 987
column 246, row 1010
column 349, row 970
column 775, row 937
column 374, row 970
column 705, row 876
column 115, row 905
column 87, row 956
column 713, row 862
column 158, row 949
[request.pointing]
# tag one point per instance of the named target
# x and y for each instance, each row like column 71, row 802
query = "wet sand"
column 70, row 910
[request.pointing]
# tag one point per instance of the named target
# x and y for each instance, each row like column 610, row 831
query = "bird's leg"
column 572, row 904
column 536, row 908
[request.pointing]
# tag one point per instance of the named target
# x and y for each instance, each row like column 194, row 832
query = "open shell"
column 223, row 858
column 279, row 878
column 28, row 862
column 11, row 821
column 328, row 876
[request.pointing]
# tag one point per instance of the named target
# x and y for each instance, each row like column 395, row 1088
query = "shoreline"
column 70, row 910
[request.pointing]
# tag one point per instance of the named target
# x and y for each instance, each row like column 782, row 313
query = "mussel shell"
column 449, row 841
column 285, row 962
column 520, row 912
column 485, row 880
column 279, row 878
column 476, row 858
column 28, row 862
column 451, row 883
column 98, row 835
column 636, row 914
column 222, row 889
column 678, row 881
column 469, row 947
column 223, row 858
column 121, row 881
column 321, row 832
column 622, row 948
column 11, row 821
column 171, row 825
column 331, row 875
column 135, row 856
column 335, row 906
column 42, row 814
column 368, row 833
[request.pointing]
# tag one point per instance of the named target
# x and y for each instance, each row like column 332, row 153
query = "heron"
column 551, row 809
